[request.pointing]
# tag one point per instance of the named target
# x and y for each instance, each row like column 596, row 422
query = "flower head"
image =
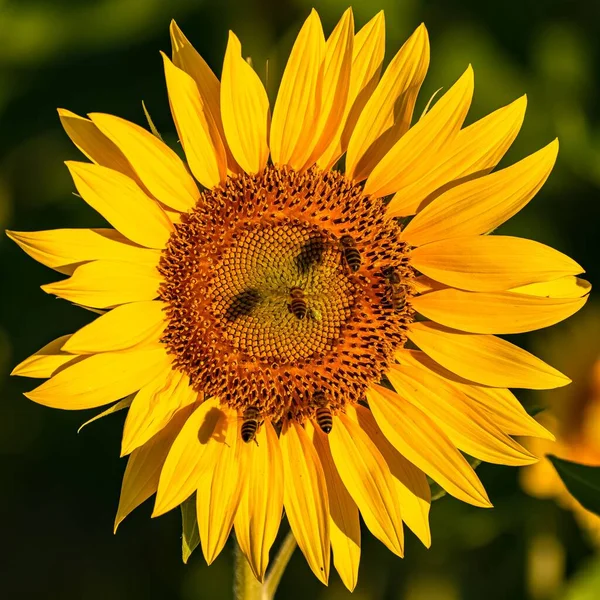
column 573, row 415
column 282, row 332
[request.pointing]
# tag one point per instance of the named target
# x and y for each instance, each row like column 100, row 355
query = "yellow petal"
column 499, row 312
column 100, row 379
column 387, row 115
column 259, row 512
column 144, row 466
column 367, row 60
column 423, row 284
column 129, row 325
column 65, row 249
column 154, row 406
column 94, row 144
column 159, row 168
column 106, row 283
column 367, row 477
column 565, row 287
column 481, row 205
column 219, row 492
column 244, row 109
column 186, row 58
column 485, row 359
column 425, row 445
column 122, row 203
column 411, row 154
column 344, row 524
column 198, row 132
column 498, row 404
column 504, row 410
column 335, row 87
column 464, row 425
column 193, row 454
column 299, row 97
column 492, row 263
column 475, row 150
column 46, row 361
column 305, row 498
column 495, row 132
column 174, row 215
column 412, row 488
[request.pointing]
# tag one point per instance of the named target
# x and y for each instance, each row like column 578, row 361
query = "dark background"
column 59, row 490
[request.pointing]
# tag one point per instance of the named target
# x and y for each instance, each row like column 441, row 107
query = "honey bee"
column 250, row 423
column 323, row 412
column 297, row 305
column 398, row 292
column 350, row 252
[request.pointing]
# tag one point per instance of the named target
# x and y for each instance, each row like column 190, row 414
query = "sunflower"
column 573, row 415
column 282, row 334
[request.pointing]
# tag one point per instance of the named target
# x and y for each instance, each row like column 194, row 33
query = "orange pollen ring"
column 267, row 309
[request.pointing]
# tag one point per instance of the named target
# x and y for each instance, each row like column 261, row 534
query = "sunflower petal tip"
column 118, row 521
column 209, row 559
column 17, row 370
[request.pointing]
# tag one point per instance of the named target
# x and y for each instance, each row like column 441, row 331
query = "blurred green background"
column 59, row 490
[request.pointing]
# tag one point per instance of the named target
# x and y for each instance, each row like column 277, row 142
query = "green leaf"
column 151, row 122
column 120, row 405
column 189, row 524
column 582, row 481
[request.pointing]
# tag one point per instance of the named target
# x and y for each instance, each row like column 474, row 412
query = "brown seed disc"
column 230, row 269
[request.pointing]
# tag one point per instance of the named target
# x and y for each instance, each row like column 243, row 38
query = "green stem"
column 279, row 564
column 247, row 587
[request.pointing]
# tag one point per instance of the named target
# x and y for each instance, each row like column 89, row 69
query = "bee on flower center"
column 297, row 305
column 397, row 290
column 250, row 423
column 323, row 413
column 350, row 252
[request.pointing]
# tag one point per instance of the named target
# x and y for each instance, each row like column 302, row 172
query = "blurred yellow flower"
column 259, row 307
column 574, row 418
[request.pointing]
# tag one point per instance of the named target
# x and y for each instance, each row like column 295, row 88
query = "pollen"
column 266, row 308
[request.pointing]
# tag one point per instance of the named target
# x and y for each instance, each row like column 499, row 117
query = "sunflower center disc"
column 250, row 292
column 236, row 262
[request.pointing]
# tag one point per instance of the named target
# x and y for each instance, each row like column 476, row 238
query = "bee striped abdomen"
column 324, row 419
column 323, row 414
column 352, row 256
column 397, row 290
column 250, row 424
column 297, row 305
